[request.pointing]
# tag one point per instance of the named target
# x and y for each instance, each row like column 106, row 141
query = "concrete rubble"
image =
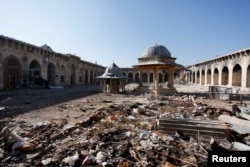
column 127, row 134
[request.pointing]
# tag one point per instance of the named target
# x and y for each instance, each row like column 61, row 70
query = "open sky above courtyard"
column 106, row 31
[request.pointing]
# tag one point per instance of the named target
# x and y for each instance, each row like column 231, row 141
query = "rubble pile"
column 123, row 135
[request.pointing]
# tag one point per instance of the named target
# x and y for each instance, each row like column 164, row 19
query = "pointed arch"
column 198, row 77
column 216, row 76
column 203, row 77
column 224, row 76
column 130, row 77
column 237, row 74
column 12, row 72
column 151, row 79
column 144, row 77
column 34, row 70
column 137, row 77
column 209, row 74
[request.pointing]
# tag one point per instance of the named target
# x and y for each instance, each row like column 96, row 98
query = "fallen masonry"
column 164, row 131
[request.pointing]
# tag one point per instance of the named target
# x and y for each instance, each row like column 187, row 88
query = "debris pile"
column 123, row 135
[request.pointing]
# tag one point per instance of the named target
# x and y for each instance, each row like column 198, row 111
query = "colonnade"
column 229, row 70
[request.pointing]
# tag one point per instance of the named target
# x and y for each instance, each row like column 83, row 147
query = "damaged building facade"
column 228, row 70
column 21, row 63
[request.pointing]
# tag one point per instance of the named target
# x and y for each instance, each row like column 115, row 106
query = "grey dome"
column 156, row 50
column 46, row 47
column 113, row 71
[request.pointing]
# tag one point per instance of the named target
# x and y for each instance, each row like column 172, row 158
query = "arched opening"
column 86, row 77
column 160, row 78
column 137, row 77
column 72, row 75
column 224, row 76
column 151, row 80
column 198, row 77
column 248, row 76
column 80, row 75
column 209, row 73
column 63, row 75
column 237, row 75
column 144, row 77
column 51, row 73
column 12, row 73
column 203, row 77
column 34, row 71
column 91, row 77
column 216, row 76
column 130, row 77
column 193, row 77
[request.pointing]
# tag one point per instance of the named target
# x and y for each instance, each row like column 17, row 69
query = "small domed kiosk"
column 112, row 81
column 157, row 58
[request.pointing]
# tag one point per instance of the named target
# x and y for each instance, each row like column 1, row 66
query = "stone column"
column 230, row 75
column 212, row 75
column 104, row 85
column 244, row 75
column 148, row 74
column 156, row 80
column 171, row 77
column 140, row 77
column 219, row 76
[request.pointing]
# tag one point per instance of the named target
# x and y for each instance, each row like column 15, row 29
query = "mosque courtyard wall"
column 21, row 62
column 230, row 70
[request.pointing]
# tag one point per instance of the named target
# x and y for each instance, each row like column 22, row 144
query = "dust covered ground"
column 75, row 102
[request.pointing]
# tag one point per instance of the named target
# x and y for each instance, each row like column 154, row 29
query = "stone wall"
column 229, row 70
column 20, row 61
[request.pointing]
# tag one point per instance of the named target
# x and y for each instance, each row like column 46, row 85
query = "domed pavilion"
column 112, row 81
column 157, row 58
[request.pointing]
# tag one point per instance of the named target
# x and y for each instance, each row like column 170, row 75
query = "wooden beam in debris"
column 193, row 127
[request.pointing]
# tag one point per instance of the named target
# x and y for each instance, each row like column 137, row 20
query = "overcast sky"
column 106, row 31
